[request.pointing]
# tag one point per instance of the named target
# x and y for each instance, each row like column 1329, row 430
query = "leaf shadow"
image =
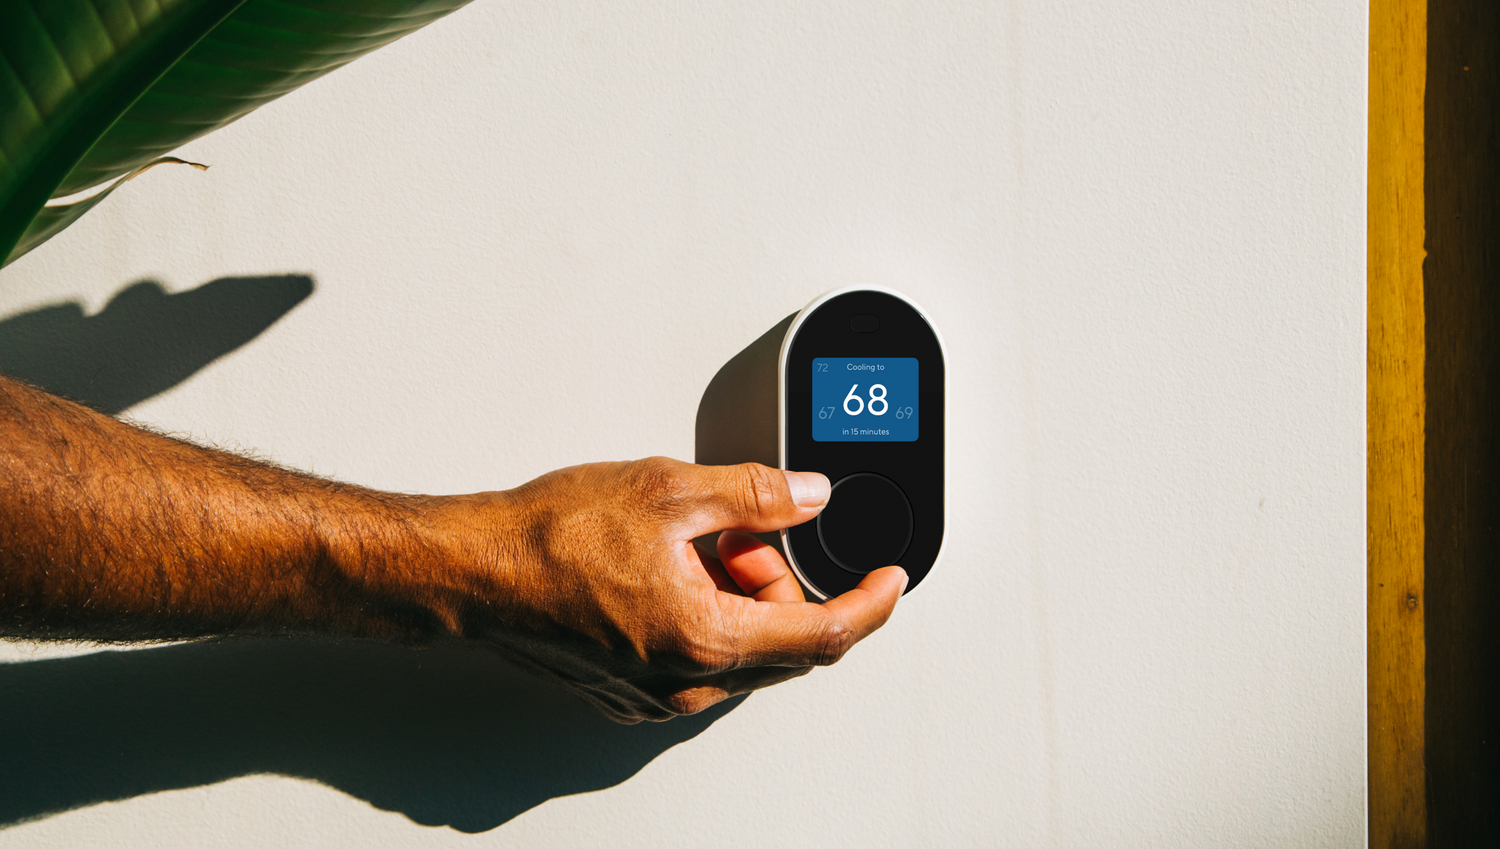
column 145, row 340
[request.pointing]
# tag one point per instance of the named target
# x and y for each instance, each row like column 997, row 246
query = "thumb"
column 804, row 633
column 755, row 498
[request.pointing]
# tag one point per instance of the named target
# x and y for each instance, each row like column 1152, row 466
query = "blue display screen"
column 864, row 399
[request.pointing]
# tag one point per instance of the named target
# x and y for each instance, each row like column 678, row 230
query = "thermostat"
column 853, row 387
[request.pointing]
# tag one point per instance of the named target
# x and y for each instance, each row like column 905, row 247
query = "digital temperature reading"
column 864, row 400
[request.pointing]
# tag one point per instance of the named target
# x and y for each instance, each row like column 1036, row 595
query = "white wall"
column 537, row 230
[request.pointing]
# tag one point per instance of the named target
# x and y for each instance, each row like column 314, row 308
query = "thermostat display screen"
column 864, row 399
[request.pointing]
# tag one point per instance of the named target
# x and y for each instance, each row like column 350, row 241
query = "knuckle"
column 693, row 639
column 762, row 489
column 657, row 481
column 703, row 653
column 833, row 644
column 688, row 702
column 693, row 643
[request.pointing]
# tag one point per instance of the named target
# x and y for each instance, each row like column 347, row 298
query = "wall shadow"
column 446, row 736
column 449, row 736
column 737, row 414
column 145, row 340
column 1461, row 550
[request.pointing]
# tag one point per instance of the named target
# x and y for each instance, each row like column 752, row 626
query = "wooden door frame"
column 1433, row 423
column 1396, row 423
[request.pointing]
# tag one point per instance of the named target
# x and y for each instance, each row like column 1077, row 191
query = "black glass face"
column 836, row 360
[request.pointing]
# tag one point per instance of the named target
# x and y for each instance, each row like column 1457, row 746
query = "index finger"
column 750, row 497
column 807, row 634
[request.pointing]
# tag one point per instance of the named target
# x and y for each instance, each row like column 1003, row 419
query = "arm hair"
column 112, row 533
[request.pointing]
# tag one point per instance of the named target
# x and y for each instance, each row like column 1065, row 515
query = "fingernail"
column 809, row 489
column 905, row 579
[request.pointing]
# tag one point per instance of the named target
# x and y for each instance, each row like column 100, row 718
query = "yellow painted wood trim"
column 1396, row 424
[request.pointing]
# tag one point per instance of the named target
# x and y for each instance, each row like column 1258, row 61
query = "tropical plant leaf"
column 68, row 70
column 91, row 90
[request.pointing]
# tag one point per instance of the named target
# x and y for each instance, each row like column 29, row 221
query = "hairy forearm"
column 590, row 574
column 110, row 532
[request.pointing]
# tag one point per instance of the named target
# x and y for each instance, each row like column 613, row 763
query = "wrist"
column 427, row 569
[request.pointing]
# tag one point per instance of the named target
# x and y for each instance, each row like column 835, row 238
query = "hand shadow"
column 446, row 736
column 145, row 340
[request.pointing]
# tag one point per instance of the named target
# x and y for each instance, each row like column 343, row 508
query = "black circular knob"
column 867, row 523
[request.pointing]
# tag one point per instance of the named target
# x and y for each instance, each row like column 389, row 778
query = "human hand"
column 588, row 573
column 599, row 583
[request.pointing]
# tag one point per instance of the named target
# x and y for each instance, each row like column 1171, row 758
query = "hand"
column 604, row 589
column 589, row 574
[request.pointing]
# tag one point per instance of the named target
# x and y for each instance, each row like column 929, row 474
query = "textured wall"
column 533, row 232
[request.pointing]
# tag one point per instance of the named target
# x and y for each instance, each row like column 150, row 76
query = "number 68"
column 874, row 399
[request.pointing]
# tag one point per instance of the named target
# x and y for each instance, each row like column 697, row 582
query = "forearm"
column 110, row 532
column 590, row 574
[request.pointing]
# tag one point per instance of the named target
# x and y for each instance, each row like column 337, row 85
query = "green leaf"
column 91, row 90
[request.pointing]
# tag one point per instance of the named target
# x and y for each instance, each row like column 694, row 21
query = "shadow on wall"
column 446, row 736
column 145, row 340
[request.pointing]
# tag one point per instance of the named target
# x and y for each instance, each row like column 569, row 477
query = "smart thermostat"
column 851, row 386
